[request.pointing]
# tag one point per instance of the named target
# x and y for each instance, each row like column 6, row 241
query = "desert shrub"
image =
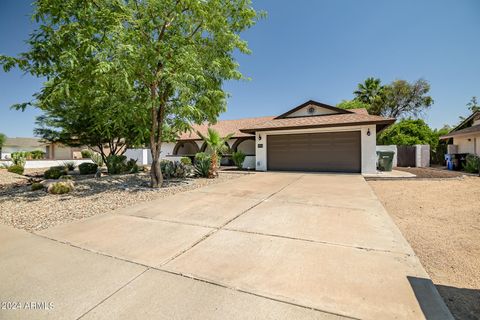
column 132, row 166
column 19, row 158
column 37, row 154
column 86, row 154
column 88, row 168
column 173, row 169
column 202, row 164
column 472, row 164
column 16, row 168
column 186, row 161
column 97, row 158
column 37, row 186
column 70, row 165
column 66, row 177
column 116, row 164
column 238, row 158
column 60, row 187
column 55, row 172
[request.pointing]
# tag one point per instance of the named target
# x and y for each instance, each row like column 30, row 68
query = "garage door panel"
column 333, row 151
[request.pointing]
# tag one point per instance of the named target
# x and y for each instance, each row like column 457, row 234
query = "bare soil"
column 431, row 172
column 441, row 221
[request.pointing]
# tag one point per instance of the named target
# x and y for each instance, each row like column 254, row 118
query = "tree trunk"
column 213, row 166
column 156, row 177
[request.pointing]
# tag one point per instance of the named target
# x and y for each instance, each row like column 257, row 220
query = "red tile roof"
column 225, row 127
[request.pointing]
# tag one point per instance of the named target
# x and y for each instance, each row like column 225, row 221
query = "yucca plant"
column 217, row 145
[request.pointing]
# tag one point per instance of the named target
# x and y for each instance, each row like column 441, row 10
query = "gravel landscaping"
column 441, row 221
column 430, row 173
column 36, row 210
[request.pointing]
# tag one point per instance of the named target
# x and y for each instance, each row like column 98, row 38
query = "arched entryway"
column 246, row 145
column 186, row 148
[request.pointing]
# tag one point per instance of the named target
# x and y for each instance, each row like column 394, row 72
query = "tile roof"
column 356, row 117
column 225, row 127
column 24, row 142
column 469, row 130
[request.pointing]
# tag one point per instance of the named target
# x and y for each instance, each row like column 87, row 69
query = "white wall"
column 249, row 162
column 368, row 158
column 422, row 155
column 38, row 164
column 465, row 146
column 389, row 148
column 144, row 156
column 247, row 147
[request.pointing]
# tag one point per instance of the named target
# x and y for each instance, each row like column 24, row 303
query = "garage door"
column 331, row 152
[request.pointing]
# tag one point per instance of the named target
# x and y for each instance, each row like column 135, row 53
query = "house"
column 310, row 137
column 465, row 138
column 51, row 150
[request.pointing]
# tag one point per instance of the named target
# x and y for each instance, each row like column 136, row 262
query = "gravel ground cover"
column 36, row 210
column 441, row 221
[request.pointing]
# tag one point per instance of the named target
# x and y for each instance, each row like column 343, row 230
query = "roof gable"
column 312, row 108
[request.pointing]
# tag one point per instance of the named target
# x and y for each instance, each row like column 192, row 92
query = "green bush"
column 86, row 154
column 54, row 172
column 19, row 158
column 238, row 158
column 37, row 186
column 60, row 187
column 97, row 158
column 202, row 164
column 132, row 166
column 472, row 164
column 116, row 164
column 16, row 168
column 66, row 177
column 88, row 168
column 186, row 161
column 70, row 165
column 37, row 154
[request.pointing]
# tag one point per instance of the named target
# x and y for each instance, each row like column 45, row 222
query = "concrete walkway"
column 264, row 246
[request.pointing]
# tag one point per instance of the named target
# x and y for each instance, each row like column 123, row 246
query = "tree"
column 402, row 99
column 353, row 104
column 217, row 145
column 368, row 91
column 473, row 105
column 173, row 56
column 409, row 132
column 2, row 142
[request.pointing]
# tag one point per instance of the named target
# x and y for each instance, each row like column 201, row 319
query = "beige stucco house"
column 51, row 150
column 310, row 137
column 465, row 138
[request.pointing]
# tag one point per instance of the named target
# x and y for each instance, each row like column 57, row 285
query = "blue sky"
column 314, row 49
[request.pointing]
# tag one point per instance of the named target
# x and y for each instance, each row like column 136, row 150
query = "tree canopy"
column 2, row 139
column 353, row 104
column 399, row 99
column 410, row 132
column 166, row 60
column 473, row 105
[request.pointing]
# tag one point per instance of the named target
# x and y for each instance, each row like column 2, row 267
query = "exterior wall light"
column 259, row 137
column 368, row 132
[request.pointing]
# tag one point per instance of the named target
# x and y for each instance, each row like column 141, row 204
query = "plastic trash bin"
column 449, row 161
column 385, row 160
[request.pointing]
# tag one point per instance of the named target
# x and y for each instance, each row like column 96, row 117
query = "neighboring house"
column 465, row 137
column 52, row 151
column 12, row 145
column 311, row 137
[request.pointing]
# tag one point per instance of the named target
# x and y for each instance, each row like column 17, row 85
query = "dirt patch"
column 36, row 210
column 441, row 221
column 431, row 172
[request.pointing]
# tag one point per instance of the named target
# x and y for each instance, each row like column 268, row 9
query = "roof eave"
column 382, row 124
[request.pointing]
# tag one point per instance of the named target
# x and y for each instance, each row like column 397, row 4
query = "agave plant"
column 217, row 145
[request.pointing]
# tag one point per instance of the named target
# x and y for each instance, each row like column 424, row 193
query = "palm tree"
column 217, row 145
column 369, row 90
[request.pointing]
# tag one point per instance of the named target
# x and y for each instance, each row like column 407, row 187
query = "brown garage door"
column 332, row 151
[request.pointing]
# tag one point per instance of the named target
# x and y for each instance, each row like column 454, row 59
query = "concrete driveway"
column 263, row 246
